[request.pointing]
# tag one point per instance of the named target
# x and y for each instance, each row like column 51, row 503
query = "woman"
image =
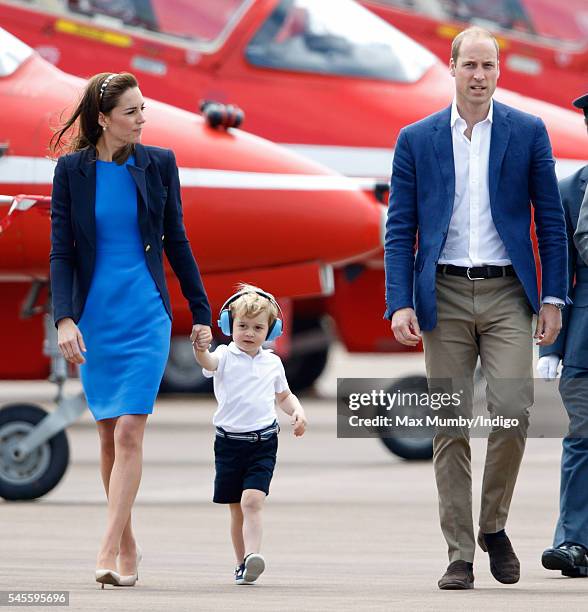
column 115, row 207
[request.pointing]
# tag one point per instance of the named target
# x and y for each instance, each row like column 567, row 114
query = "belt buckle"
column 473, row 278
column 256, row 436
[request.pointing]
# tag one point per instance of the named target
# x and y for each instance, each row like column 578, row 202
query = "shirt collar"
column 455, row 116
column 237, row 351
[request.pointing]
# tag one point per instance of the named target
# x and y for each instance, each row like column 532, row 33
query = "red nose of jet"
column 246, row 201
column 265, row 203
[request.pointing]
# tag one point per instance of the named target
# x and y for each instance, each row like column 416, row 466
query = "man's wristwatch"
column 558, row 305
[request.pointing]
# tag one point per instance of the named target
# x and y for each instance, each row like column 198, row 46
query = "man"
column 464, row 179
column 570, row 543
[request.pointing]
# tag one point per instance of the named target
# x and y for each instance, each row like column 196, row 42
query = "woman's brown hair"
column 101, row 94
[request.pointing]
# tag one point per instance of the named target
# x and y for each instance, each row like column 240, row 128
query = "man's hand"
column 548, row 325
column 547, row 366
column 201, row 337
column 406, row 327
column 70, row 341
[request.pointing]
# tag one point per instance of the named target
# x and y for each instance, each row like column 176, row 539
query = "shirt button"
column 147, row 248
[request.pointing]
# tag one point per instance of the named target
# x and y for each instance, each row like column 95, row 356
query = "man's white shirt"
column 245, row 388
column 472, row 238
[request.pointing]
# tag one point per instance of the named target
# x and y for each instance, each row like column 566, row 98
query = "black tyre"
column 417, row 448
column 310, row 341
column 38, row 473
column 182, row 373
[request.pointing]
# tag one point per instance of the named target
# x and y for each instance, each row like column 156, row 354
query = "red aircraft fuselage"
column 254, row 211
column 327, row 79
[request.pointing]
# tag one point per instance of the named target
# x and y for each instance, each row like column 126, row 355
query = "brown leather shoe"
column 459, row 576
column 504, row 563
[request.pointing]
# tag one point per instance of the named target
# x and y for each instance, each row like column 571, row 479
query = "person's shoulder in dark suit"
column 569, row 182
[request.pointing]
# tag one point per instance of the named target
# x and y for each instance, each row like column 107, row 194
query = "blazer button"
column 147, row 248
column 163, row 236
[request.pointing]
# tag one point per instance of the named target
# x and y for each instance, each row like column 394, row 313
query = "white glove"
column 547, row 366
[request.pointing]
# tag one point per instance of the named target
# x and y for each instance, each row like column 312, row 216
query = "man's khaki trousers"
column 490, row 319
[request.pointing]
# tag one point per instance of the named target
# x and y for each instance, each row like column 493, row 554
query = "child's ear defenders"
column 225, row 320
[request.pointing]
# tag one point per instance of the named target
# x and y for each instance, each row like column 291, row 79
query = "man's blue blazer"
column 521, row 171
column 159, row 207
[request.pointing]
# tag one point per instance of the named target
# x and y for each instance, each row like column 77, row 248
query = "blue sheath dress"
column 124, row 323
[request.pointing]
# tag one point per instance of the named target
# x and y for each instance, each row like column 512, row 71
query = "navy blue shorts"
column 241, row 465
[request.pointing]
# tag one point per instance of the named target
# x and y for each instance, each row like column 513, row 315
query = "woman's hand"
column 201, row 337
column 70, row 341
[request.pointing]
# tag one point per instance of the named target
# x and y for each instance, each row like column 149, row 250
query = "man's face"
column 476, row 71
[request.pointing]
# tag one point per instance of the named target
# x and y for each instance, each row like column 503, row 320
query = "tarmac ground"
column 348, row 526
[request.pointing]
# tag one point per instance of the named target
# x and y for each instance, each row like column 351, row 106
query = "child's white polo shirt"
column 245, row 388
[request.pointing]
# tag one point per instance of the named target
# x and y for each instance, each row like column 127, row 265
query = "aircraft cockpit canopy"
column 13, row 53
column 337, row 37
column 194, row 24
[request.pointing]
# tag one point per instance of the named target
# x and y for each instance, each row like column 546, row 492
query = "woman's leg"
column 123, row 485
column 252, row 504
column 237, row 532
column 107, row 456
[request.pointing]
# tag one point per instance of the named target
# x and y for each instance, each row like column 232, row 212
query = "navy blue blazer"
column 161, row 225
column 521, row 170
column 572, row 343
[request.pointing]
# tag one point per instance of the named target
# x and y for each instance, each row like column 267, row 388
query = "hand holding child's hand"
column 201, row 337
column 299, row 422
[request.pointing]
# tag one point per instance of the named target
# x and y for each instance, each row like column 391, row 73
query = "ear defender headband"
column 225, row 320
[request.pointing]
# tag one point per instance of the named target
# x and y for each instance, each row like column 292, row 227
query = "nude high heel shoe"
column 107, row 576
column 131, row 580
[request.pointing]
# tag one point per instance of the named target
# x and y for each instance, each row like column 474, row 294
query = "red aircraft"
column 542, row 42
column 326, row 78
column 259, row 211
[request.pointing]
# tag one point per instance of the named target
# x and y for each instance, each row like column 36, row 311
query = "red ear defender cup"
column 219, row 115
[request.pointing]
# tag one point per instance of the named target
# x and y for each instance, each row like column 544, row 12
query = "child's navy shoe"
column 254, row 564
column 239, row 573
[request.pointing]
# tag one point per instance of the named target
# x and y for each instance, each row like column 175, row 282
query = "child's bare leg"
column 237, row 532
column 252, row 504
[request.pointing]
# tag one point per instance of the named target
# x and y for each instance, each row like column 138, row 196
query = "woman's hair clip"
column 105, row 83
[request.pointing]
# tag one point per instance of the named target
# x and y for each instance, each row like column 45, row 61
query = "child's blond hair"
column 251, row 304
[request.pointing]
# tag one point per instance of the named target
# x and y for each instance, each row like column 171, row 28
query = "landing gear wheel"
column 182, row 373
column 35, row 475
column 414, row 449
column 304, row 367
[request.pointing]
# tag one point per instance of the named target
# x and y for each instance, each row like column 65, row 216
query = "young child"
column 247, row 381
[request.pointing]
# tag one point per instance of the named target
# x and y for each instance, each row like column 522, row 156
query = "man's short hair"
column 251, row 304
column 473, row 31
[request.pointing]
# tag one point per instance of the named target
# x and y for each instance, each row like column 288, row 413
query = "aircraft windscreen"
column 13, row 53
column 183, row 19
column 545, row 20
column 336, row 37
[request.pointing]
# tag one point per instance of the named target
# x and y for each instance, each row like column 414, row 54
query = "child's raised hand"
column 299, row 422
column 201, row 337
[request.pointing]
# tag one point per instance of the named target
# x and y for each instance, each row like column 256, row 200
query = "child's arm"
column 289, row 403
column 205, row 359
column 200, row 346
